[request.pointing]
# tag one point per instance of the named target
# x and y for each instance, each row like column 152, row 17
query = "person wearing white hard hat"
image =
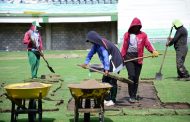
column 33, row 40
column 180, row 44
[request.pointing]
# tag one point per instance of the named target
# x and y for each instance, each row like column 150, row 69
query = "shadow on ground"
column 92, row 119
column 26, row 120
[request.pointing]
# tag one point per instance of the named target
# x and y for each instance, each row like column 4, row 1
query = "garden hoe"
column 159, row 74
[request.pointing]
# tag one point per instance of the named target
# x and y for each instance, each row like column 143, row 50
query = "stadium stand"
column 61, row 1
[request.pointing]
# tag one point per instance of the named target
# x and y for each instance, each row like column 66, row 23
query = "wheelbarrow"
column 89, row 97
column 18, row 93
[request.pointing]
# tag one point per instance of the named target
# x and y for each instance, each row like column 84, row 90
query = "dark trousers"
column 180, row 60
column 134, row 70
column 113, row 92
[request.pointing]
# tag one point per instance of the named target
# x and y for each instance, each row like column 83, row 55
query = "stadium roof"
column 55, row 13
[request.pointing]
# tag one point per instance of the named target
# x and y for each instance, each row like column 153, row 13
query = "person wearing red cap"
column 133, row 47
column 32, row 39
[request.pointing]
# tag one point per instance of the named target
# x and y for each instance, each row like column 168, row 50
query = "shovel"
column 110, row 75
column 49, row 67
column 159, row 74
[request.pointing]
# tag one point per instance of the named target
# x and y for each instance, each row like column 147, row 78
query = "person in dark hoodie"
column 32, row 39
column 133, row 47
column 111, row 59
column 180, row 44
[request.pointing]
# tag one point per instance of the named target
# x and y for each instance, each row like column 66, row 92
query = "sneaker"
column 110, row 103
column 132, row 100
column 138, row 98
column 34, row 78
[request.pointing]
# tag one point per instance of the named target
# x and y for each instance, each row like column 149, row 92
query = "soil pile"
column 90, row 84
column 30, row 85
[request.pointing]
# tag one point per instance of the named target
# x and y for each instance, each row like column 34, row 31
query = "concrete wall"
column 11, row 36
column 56, row 36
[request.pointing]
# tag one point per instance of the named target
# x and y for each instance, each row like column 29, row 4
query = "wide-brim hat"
column 36, row 23
column 177, row 23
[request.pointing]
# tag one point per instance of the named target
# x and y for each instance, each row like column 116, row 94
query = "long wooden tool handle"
column 45, row 60
column 138, row 58
column 170, row 31
column 163, row 59
column 165, row 51
column 110, row 75
column 92, row 69
column 43, row 57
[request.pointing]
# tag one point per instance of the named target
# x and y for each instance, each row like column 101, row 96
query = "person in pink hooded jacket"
column 32, row 39
column 133, row 47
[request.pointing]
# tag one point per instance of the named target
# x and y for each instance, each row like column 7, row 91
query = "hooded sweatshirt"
column 27, row 39
column 101, row 46
column 142, row 41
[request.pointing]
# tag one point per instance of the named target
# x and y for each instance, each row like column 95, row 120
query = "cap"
column 177, row 23
column 36, row 23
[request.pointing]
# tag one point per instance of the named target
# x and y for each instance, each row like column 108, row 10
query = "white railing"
column 61, row 1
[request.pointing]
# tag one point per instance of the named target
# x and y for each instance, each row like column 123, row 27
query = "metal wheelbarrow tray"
column 88, row 92
column 89, row 89
column 34, row 92
column 27, row 90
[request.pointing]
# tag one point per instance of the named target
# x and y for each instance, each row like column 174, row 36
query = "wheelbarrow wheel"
column 32, row 106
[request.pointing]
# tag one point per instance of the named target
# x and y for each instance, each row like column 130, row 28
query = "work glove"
column 155, row 53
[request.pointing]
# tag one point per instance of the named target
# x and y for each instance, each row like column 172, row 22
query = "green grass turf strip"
column 14, row 69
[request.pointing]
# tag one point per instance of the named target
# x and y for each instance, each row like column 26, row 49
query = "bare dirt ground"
column 147, row 93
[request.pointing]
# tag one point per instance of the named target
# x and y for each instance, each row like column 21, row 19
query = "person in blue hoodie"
column 110, row 58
